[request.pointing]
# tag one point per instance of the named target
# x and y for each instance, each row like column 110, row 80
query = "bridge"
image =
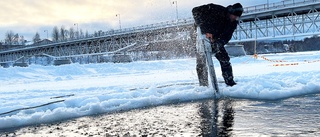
column 288, row 18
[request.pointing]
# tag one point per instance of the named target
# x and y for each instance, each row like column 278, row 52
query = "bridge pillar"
column 117, row 58
column 59, row 62
column 235, row 50
column 5, row 65
column 20, row 64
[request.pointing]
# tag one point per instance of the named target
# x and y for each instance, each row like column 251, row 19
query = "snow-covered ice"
column 41, row 94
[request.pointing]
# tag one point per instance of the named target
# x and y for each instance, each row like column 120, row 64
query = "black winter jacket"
column 214, row 19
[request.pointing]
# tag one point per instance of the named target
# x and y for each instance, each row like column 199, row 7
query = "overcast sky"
column 26, row 17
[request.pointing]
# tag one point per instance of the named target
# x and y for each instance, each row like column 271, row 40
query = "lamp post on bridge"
column 176, row 2
column 47, row 32
column 118, row 15
column 77, row 29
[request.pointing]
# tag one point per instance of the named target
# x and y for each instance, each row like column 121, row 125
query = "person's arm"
column 200, row 14
column 208, row 18
column 227, row 35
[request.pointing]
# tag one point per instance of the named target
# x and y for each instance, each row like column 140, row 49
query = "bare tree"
column 55, row 34
column 81, row 34
column 22, row 40
column 66, row 34
column 16, row 39
column 62, row 33
column 36, row 38
column 71, row 33
column 9, row 37
column 87, row 34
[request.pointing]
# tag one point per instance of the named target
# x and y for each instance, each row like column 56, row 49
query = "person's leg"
column 201, row 67
column 226, row 67
column 202, row 70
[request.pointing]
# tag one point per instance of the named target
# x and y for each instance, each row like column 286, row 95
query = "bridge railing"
column 277, row 5
column 160, row 25
column 142, row 28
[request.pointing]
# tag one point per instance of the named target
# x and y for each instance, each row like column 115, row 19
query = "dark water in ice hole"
column 299, row 116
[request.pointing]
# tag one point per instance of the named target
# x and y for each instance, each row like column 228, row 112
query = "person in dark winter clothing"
column 217, row 23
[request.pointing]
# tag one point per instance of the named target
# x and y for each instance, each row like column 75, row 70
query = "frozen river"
column 151, row 97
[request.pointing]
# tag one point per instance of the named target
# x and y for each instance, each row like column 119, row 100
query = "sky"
column 27, row 17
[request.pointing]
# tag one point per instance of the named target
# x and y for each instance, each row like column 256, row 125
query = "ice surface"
column 80, row 90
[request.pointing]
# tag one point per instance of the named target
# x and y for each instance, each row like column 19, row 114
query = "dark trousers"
column 225, row 64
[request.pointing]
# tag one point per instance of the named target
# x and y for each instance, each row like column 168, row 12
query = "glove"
column 216, row 46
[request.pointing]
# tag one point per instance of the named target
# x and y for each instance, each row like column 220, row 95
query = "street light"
column 47, row 32
column 176, row 2
column 118, row 15
column 77, row 29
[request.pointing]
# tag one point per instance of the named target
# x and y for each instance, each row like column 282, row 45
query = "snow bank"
column 40, row 94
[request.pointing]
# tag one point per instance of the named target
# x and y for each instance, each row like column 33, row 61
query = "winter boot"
column 227, row 75
column 228, row 78
column 231, row 83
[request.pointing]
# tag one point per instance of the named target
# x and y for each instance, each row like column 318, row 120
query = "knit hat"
column 235, row 9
